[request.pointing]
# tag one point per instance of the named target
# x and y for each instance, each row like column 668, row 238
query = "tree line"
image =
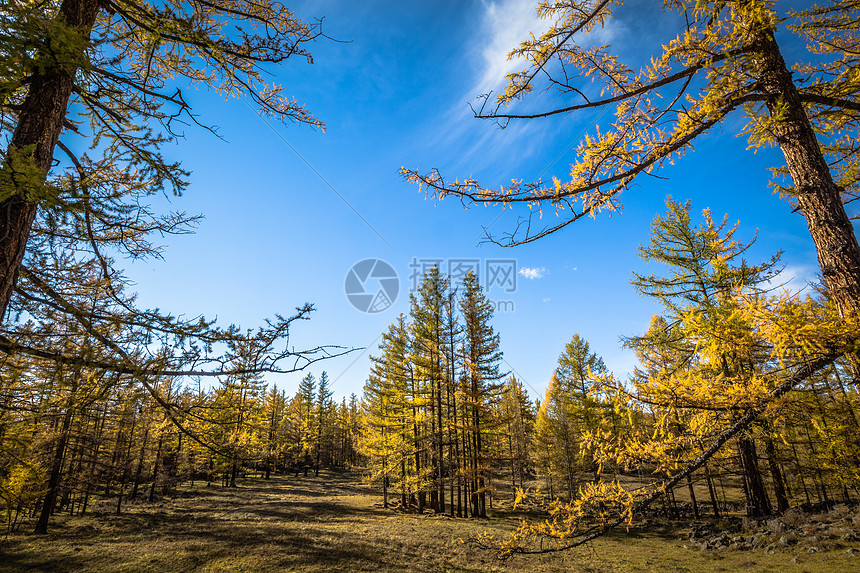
column 96, row 392
column 430, row 397
column 439, row 423
column 70, row 438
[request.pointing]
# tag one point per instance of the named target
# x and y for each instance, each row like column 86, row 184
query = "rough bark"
column 818, row 196
column 40, row 122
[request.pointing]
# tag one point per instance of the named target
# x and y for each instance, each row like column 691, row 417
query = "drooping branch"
column 802, row 373
column 591, row 193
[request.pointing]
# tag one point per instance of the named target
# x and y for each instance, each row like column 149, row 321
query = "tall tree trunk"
column 140, row 460
column 403, row 483
column 384, row 483
column 818, row 196
column 799, row 467
column 101, row 419
column 155, row 466
column 40, row 122
column 814, row 458
column 693, row 497
column 712, row 492
column 776, row 475
column 758, row 504
column 56, row 471
column 234, row 471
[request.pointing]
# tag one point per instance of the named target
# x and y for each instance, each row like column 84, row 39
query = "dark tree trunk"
column 799, row 467
column 54, row 478
column 693, row 497
column 758, row 504
column 818, row 196
column 776, row 474
column 155, row 466
column 40, row 122
column 140, row 461
column 712, row 493
column 403, row 483
column 384, row 484
column 234, row 471
column 439, row 453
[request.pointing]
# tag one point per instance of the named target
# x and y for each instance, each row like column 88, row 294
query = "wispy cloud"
column 796, row 279
column 532, row 273
column 503, row 25
column 507, row 23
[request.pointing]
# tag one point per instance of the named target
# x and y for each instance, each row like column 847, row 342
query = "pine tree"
column 481, row 386
column 387, row 419
column 428, row 355
column 518, row 414
column 324, row 419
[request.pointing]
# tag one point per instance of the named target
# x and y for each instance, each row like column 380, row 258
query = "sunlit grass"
column 335, row 523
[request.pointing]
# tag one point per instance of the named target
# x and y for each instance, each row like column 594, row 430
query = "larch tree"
column 387, row 418
column 274, row 407
column 518, row 414
column 706, row 270
column 306, row 399
column 724, row 62
column 324, row 418
column 726, row 354
column 481, row 387
column 579, row 374
column 428, row 340
column 114, row 64
column 570, row 409
column 108, row 77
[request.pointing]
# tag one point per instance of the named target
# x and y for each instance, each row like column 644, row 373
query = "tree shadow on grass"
column 284, row 523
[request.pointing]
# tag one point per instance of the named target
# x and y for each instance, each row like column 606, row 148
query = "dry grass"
column 335, row 523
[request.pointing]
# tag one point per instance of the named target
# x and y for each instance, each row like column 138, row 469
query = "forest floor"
column 336, row 523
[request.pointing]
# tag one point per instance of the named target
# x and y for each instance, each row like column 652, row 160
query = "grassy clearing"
column 335, row 523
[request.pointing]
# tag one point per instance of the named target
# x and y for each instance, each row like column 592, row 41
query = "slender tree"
column 481, row 383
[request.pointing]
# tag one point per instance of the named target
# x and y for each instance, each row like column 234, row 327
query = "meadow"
column 335, row 522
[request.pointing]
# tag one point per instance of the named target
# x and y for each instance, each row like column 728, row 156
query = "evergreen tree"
column 387, row 420
column 428, row 355
column 517, row 411
column 480, row 381
column 324, row 419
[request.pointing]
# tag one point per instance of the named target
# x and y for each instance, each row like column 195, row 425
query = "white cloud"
column 532, row 273
column 508, row 22
column 546, row 299
column 795, row 279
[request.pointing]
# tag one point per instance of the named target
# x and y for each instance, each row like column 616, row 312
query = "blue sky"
column 288, row 209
